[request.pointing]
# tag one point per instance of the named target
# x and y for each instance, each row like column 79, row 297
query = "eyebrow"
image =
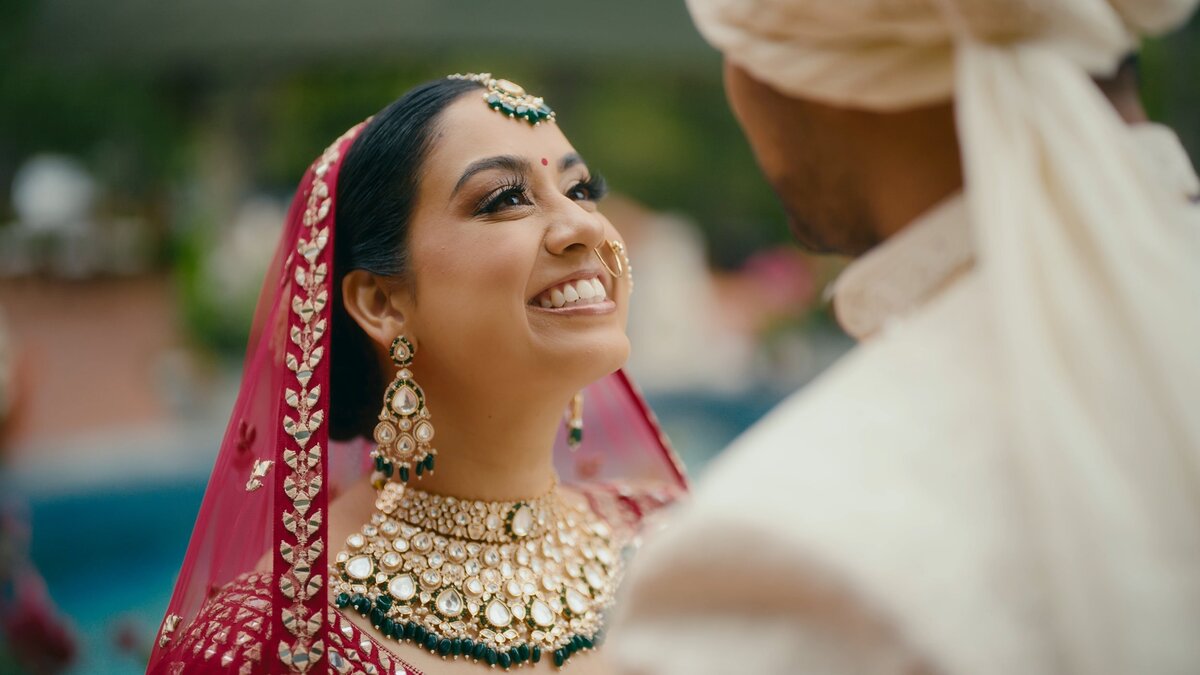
column 569, row 160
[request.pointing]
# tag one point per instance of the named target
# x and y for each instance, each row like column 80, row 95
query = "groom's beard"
column 826, row 213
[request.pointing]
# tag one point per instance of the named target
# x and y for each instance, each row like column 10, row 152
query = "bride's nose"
column 574, row 228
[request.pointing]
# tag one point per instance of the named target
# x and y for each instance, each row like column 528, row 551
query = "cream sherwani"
column 870, row 523
column 1005, row 476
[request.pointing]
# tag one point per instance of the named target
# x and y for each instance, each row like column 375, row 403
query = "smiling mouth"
column 575, row 293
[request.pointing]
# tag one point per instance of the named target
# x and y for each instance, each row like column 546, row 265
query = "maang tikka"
column 510, row 99
column 404, row 432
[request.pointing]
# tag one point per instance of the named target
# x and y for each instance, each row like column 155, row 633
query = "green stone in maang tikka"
column 511, row 99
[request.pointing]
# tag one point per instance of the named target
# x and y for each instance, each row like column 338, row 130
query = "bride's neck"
column 493, row 449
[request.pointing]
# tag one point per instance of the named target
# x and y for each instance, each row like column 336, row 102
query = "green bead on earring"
column 575, row 422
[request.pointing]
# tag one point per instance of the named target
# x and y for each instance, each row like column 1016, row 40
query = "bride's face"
column 505, row 281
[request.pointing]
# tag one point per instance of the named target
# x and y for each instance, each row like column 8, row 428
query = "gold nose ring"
column 618, row 254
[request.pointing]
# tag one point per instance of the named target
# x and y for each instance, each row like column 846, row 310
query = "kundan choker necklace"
column 500, row 583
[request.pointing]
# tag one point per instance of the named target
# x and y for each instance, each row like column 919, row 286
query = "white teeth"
column 580, row 292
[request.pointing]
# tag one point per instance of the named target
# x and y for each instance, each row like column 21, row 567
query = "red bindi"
column 545, row 162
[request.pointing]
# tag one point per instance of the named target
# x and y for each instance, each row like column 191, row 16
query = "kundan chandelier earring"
column 404, row 432
column 575, row 422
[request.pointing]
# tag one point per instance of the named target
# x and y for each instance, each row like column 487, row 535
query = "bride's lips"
column 582, row 292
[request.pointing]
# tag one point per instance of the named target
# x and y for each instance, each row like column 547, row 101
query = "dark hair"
column 376, row 190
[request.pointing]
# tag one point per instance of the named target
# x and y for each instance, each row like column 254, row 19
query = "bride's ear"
column 378, row 304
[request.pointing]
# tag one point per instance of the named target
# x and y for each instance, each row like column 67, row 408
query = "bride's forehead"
column 470, row 130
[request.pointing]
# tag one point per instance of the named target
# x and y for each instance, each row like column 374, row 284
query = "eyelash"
column 595, row 188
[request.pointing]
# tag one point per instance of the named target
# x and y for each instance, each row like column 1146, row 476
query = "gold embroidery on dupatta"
column 257, row 473
column 303, row 483
column 168, row 627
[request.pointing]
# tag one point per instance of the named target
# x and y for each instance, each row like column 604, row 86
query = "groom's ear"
column 378, row 304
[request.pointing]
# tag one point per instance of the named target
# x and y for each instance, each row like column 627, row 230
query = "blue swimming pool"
column 109, row 557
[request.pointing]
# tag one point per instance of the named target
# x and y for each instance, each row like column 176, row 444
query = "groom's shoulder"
column 896, row 451
column 888, row 473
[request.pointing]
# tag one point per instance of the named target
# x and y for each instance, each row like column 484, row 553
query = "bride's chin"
column 588, row 360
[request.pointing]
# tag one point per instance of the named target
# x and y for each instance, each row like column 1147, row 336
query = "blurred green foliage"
column 126, row 127
column 1170, row 83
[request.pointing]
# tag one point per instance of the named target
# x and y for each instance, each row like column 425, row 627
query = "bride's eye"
column 589, row 190
column 507, row 197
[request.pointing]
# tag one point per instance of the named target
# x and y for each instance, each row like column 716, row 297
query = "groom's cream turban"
column 888, row 54
column 1092, row 270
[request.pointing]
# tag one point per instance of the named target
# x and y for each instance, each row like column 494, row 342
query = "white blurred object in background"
column 680, row 342
column 60, row 229
column 235, row 267
column 53, row 193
